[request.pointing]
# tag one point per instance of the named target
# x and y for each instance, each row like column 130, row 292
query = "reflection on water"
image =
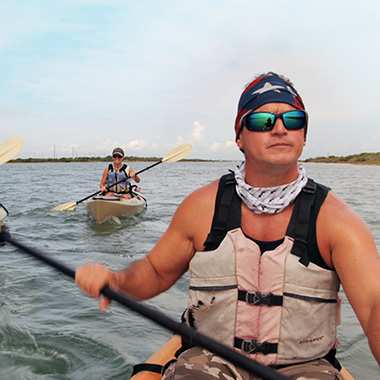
column 49, row 330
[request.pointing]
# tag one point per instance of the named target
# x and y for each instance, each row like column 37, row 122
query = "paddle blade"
column 70, row 206
column 178, row 153
column 10, row 149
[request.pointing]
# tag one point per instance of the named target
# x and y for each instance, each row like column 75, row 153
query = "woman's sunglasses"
column 265, row 121
column 117, row 156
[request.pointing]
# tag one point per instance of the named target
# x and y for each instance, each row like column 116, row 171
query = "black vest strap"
column 222, row 216
column 300, row 221
column 111, row 168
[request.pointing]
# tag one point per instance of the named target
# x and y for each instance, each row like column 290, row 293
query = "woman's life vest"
column 116, row 176
column 277, row 302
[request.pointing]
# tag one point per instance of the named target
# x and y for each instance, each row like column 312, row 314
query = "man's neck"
column 270, row 177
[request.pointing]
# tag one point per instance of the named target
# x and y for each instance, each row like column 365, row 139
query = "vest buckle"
column 252, row 346
column 258, row 298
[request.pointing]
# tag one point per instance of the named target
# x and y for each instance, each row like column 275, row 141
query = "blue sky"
column 81, row 77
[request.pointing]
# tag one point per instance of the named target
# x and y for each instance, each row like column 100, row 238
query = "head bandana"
column 268, row 88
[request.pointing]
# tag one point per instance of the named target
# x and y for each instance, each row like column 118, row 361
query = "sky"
column 80, row 77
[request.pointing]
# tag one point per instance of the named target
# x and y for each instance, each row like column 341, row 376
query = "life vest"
column 116, row 176
column 279, row 306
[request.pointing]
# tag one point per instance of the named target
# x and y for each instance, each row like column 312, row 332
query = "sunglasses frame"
column 117, row 155
column 276, row 116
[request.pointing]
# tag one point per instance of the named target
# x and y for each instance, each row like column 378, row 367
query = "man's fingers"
column 104, row 303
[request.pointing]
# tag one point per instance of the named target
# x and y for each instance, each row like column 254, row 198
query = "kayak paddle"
column 174, row 155
column 10, row 149
column 193, row 336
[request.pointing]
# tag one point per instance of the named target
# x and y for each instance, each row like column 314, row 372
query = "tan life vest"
column 274, row 306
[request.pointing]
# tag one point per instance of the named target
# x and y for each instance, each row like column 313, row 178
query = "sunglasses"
column 265, row 121
column 117, row 156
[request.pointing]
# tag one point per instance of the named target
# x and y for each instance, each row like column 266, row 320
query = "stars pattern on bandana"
column 270, row 87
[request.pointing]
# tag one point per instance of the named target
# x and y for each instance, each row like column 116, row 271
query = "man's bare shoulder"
column 336, row 211
column 204, row 193
column 341, row 231
column 193, row 217
column 200, row 201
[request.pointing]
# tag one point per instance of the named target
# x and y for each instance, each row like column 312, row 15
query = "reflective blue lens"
column 265, row 121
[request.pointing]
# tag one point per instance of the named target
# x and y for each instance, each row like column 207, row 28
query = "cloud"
column 136, row 145
column 229, row 145
column 91, row 74
column 198, row 131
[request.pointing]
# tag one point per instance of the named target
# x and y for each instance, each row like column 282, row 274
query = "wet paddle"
column 163, row 320
column 174, row 155
column 10, row 149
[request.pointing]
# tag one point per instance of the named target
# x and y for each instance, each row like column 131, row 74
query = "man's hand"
column 92, row 278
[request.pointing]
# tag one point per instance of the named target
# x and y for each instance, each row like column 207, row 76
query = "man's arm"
column 353, row 254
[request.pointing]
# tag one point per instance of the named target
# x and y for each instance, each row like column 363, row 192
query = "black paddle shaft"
column 193, row 336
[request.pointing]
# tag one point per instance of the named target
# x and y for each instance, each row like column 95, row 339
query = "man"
column 265, row 279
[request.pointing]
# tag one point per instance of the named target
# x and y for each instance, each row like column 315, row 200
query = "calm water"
column 50, row 330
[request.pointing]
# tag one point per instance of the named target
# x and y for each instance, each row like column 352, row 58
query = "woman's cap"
column 118, row 151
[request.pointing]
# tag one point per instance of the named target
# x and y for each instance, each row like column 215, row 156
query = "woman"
column 118, row 173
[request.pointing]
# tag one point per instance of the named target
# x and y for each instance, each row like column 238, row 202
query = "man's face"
column 276, row 147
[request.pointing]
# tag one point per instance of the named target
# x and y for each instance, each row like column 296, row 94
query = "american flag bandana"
column 268, row 88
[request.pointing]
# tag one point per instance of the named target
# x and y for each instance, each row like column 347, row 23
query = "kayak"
column 166, row 353
column 103, row 208
column 160, row 357
column 3, row 213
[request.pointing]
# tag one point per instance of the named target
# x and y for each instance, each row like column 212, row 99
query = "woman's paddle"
column 10, row 149
column 174, row 155
column 163, row 320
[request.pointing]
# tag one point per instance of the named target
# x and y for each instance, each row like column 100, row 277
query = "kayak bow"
column 104, row 208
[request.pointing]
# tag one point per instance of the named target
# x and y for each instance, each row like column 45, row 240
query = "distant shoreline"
column 102, row 159
column 357, row 159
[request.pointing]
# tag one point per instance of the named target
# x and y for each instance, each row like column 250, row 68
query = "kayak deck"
column 104, row 208
column 161, row 357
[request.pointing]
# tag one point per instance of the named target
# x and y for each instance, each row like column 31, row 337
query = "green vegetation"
column 84, row 159
column 362, row 158
column 93, row 159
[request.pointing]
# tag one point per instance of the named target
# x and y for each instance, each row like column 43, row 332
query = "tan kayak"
column 103, row 208
column 166, row 353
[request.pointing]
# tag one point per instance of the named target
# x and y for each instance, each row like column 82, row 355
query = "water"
column 50, row 330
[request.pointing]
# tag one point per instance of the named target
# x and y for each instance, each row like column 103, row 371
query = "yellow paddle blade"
column 346, row 374
column 178, row 153
column 70, row 206
column 10, row 149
